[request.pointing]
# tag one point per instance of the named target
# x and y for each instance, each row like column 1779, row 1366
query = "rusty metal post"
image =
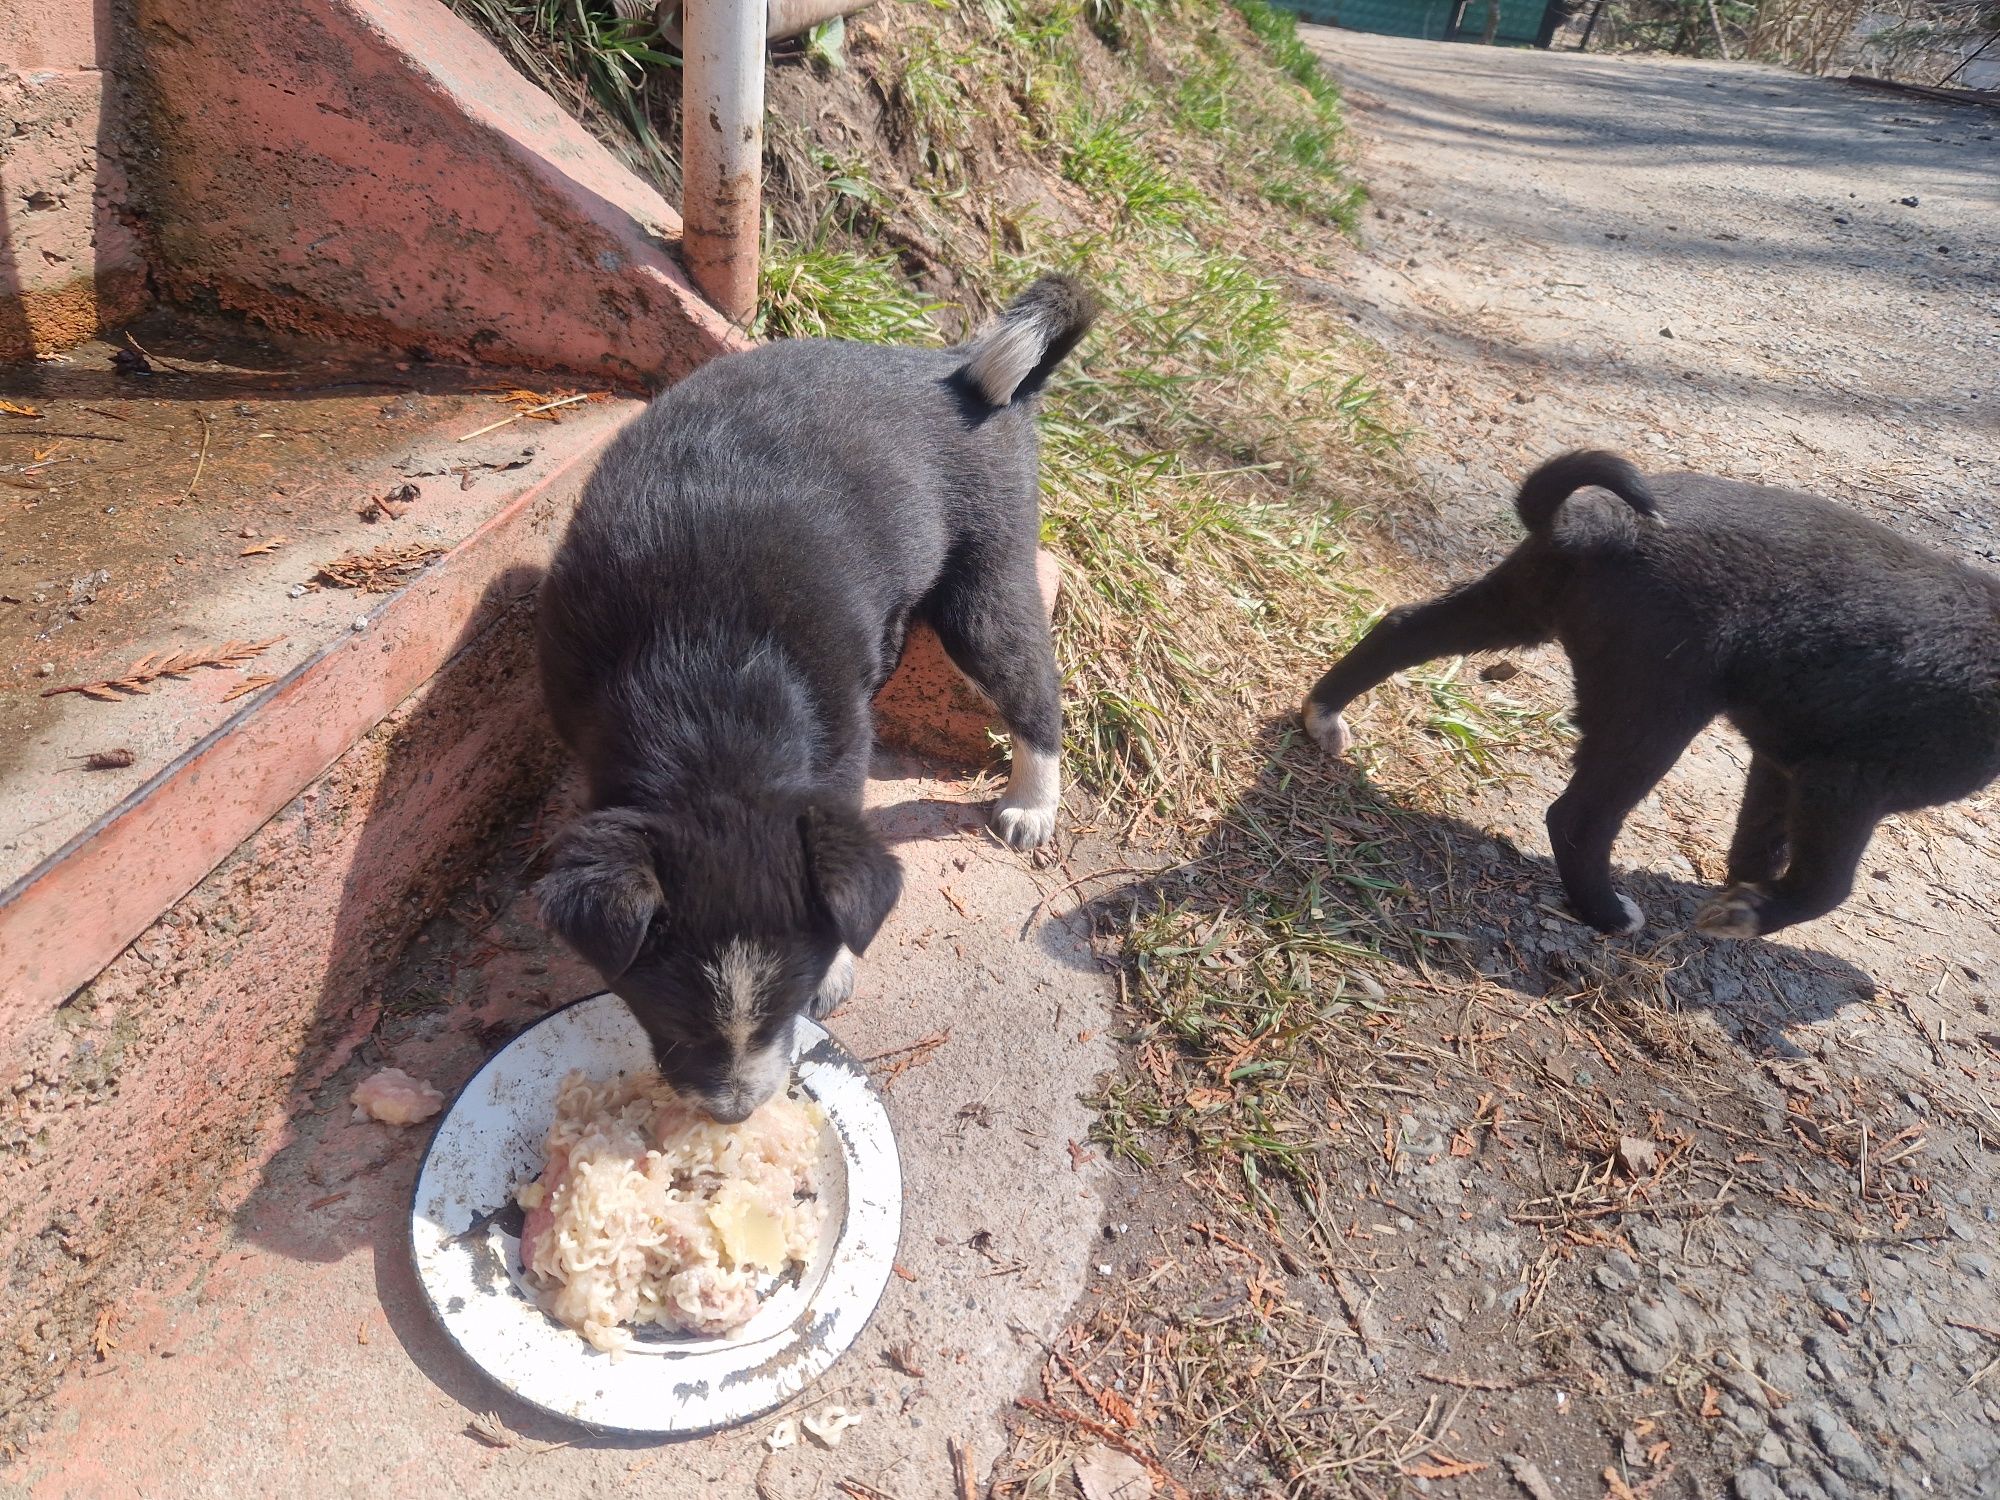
column 722, row 150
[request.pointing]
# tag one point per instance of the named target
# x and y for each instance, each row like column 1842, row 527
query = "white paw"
column 1733, row 914
column 1026, row 815
column 1024, row 827
column 1328, row 729
column 1635, row 918
column 833, row 990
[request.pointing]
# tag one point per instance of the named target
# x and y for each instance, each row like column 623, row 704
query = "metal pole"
column 722, row 151
column 1590, row 26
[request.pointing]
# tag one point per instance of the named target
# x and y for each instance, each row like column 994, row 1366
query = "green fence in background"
column 1523, row 23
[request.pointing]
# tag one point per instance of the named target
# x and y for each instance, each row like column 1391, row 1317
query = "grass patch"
column 930, row 100
column 812, row 292
column 1104, row 156
column 605, row 68
column 1278, row 30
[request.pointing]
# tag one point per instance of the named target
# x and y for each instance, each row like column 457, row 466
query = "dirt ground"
column 1775, row 278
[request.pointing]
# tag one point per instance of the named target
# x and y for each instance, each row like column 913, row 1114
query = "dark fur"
column 733, row 590
column 1863, row 669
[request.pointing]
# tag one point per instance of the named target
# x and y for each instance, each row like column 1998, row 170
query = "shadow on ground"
column 1311, row 840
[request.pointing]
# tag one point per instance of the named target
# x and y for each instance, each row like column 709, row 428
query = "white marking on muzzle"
column 741, row 974
column 754, row 1077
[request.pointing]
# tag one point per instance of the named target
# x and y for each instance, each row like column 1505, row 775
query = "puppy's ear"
column 602, row 892
column 855, row 878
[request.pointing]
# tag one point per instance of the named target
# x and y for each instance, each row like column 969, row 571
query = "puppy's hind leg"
column 1833, row 816
column 1759, row 851
column 993, row 628
column 1483, row 615
column 1634, row 729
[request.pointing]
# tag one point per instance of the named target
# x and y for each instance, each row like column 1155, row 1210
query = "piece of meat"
column 709, row 1299
column 540, row 1215
column 395, row 1098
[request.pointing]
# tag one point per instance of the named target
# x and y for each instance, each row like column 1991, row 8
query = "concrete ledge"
column 375, row 170
column 68, row 265
column 148, row 1098
column 70, row 916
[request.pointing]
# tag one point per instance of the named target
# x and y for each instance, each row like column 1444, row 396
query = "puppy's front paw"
column 1733, row 914
column 1026, row 815
column 1635, row 918
column 835, row 989
column 1024, row 827
column 1328, row 729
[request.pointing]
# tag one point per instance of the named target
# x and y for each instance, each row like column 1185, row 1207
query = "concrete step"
column 289, row 1352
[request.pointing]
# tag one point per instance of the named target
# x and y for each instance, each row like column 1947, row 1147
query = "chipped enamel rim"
column 467, row 1247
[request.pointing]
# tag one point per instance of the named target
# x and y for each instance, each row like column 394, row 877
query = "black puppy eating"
column 1862, row 668
column 734, row 588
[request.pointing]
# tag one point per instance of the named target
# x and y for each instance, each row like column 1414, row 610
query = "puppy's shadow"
column 918, row 818
column 1309, row 844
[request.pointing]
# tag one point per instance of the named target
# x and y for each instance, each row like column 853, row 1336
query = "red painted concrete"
column 151, row 1097
column 375, row 168
column 928, row 708
column 68, row 264
column 68, row 917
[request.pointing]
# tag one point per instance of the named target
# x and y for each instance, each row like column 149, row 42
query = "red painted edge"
column 63, row 921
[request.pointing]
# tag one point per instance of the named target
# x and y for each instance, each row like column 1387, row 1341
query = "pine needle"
column 379, row 571
column 248, row 686
column 151, row 668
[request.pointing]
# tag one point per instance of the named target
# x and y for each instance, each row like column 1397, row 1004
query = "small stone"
column 1618, row 1274
column 1755, row 1484
column 46, row 669
column 1850, row 1460
column 1644, row 1360
column 296, row 591
column 360, row 623
column 1772, row 1451
column 1909, row 202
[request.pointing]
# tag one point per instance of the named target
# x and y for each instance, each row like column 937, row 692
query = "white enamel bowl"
column 465, row 1234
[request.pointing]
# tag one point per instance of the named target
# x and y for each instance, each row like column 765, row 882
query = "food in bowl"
column 649, row 1212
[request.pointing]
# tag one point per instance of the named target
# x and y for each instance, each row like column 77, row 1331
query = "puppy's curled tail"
column 1543, row 492
column 1014, row 354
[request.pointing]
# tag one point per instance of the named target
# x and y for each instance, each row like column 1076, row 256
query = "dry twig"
column 532, row 411
column 249, row 685
column 201, row 459
column 1107, row 1434
column 107, row 760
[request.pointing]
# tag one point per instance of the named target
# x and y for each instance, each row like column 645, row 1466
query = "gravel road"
column 1785, row 279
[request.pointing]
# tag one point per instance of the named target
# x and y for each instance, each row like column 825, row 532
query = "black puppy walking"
column 1863, row 669
column 733, row 590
